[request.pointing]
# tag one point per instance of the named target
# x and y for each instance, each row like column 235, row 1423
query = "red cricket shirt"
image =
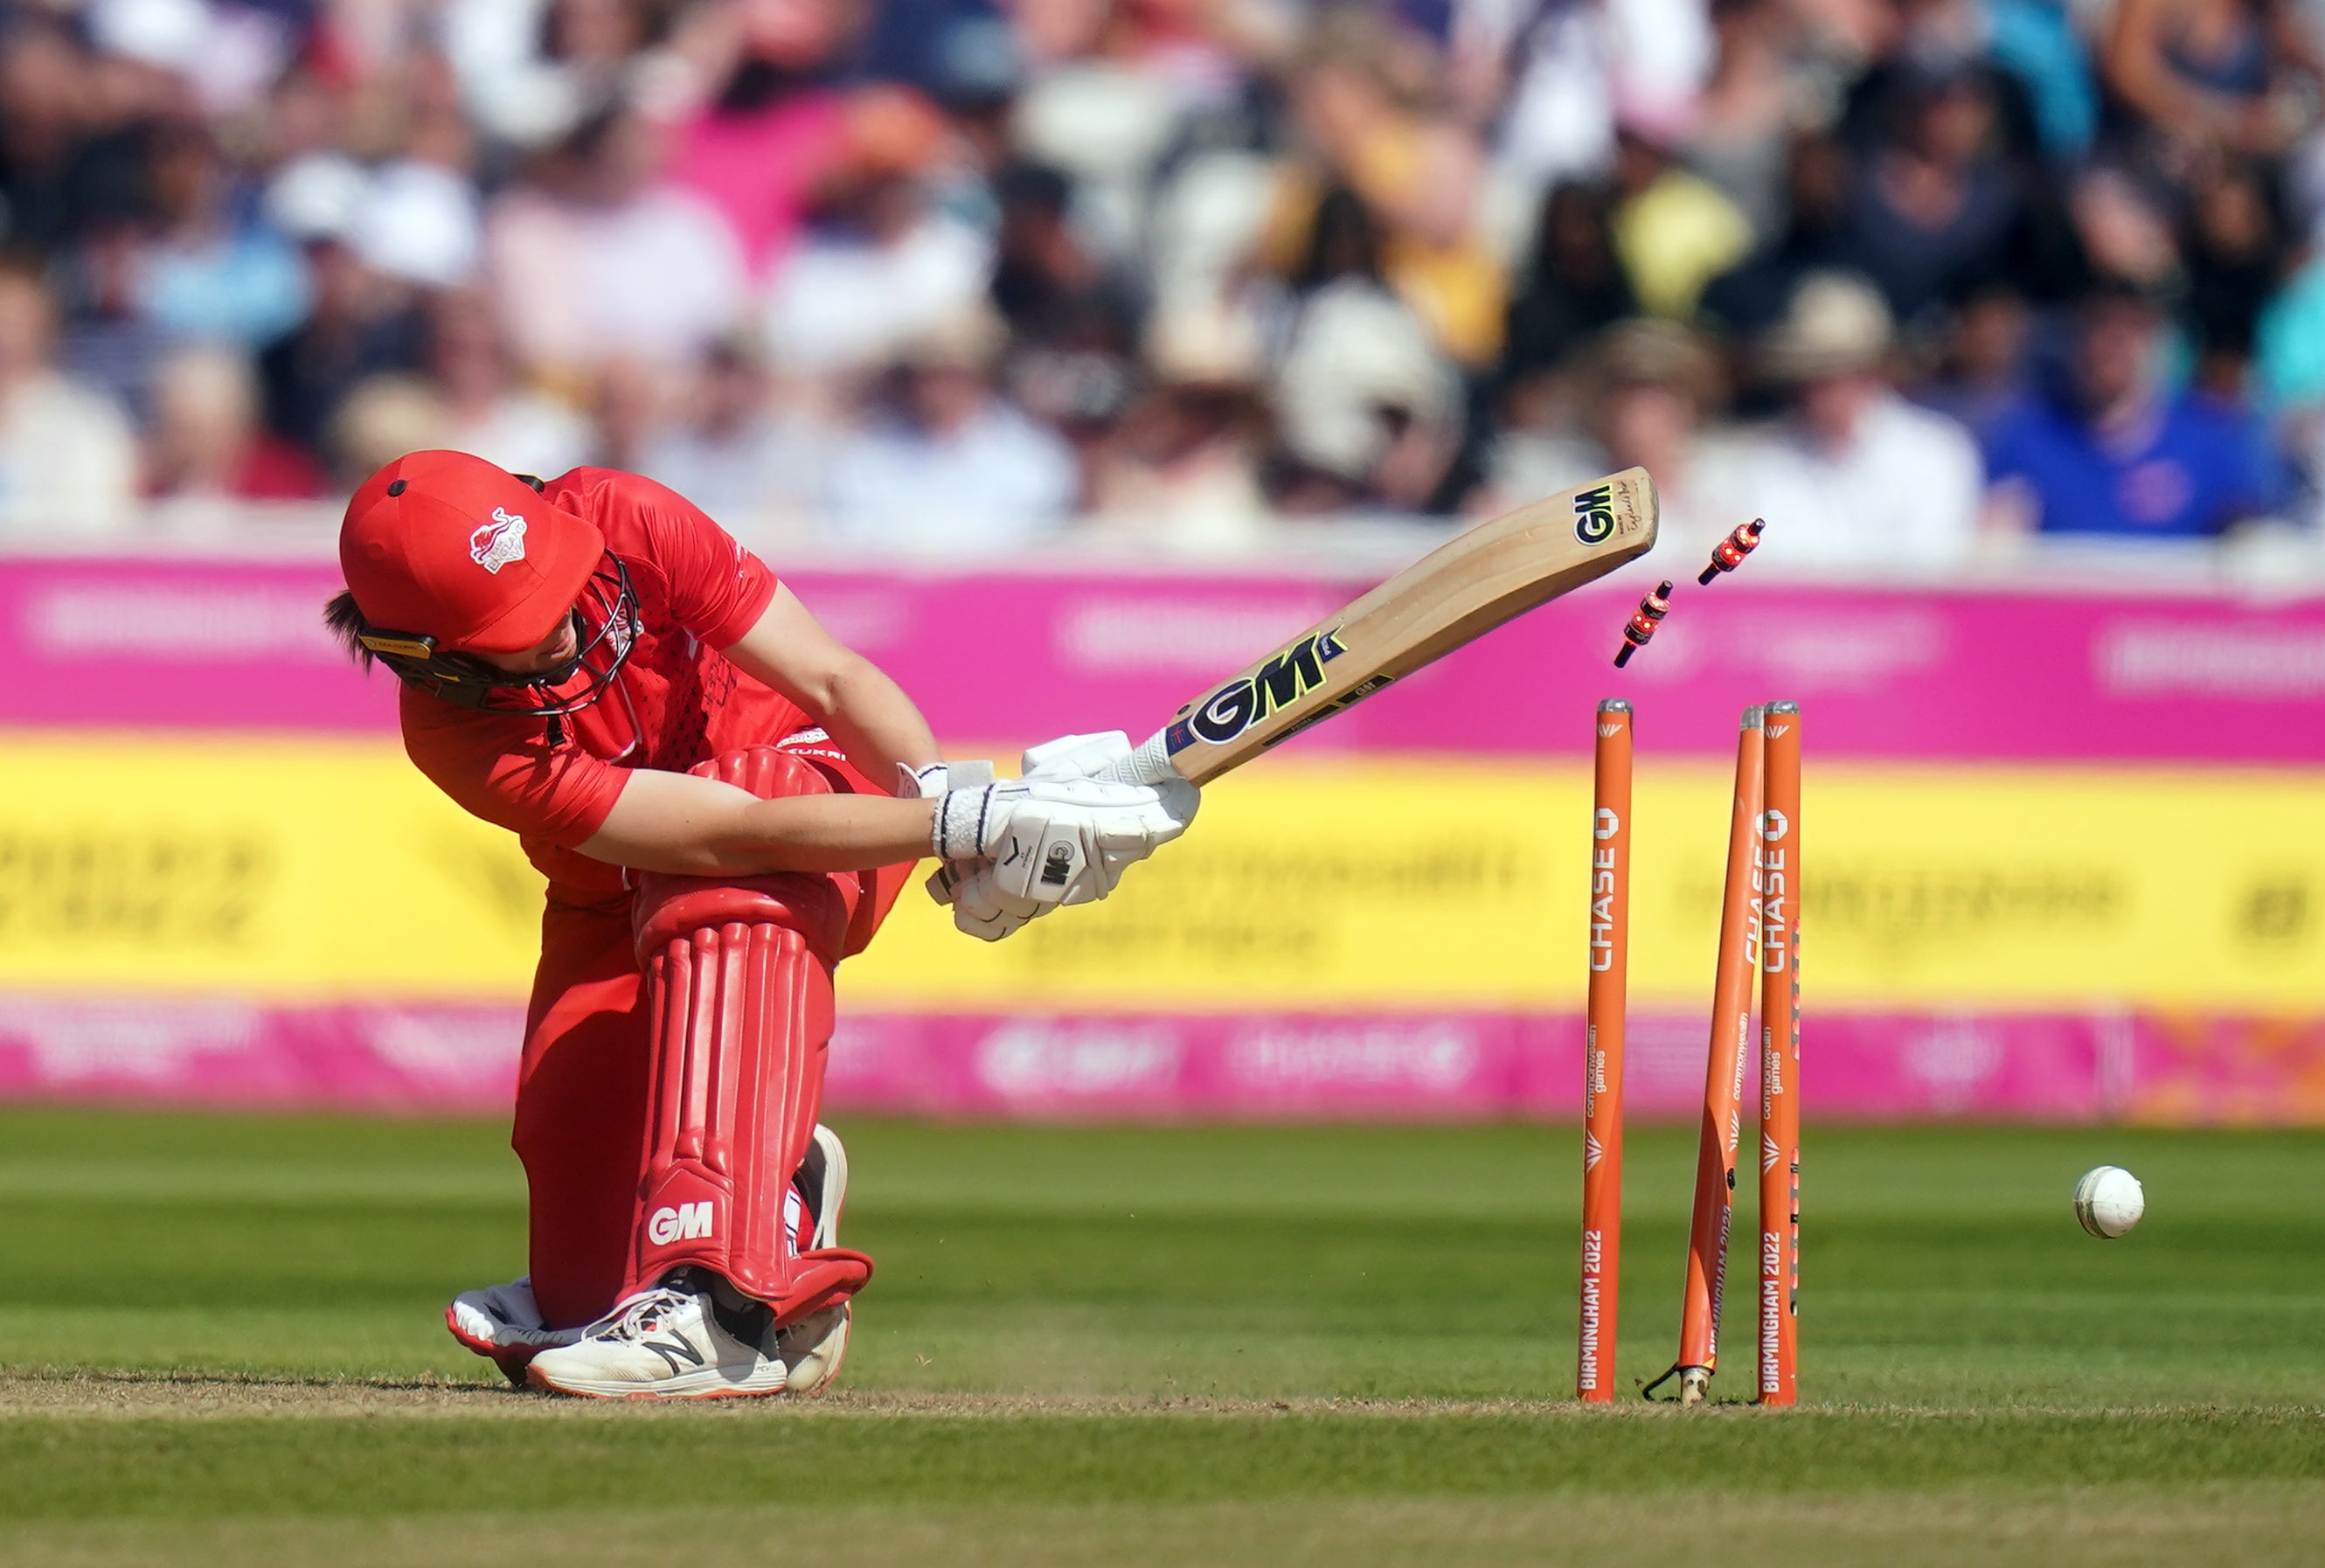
column 678, row 700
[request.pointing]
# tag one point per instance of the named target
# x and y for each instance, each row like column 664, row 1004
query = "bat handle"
column 1149, row 765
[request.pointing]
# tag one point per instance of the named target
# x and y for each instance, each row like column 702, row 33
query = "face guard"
column 605, row 620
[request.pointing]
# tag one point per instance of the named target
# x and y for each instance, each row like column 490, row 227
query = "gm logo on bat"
column 1594, row 515
column 1243, row 703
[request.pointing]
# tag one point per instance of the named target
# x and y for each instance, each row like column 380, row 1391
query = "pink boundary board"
column 1888, row 672
column 2057, row 1067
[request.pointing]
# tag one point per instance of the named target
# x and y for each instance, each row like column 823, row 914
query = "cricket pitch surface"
column 221, row 1342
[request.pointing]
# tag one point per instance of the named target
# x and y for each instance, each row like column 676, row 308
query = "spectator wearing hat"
column 2111, row 452
column 945, row 465
column 1853, row 476
column 1645, row 388
column 68, row 457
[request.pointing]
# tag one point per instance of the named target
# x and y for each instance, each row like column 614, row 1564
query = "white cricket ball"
column 2109, row 1202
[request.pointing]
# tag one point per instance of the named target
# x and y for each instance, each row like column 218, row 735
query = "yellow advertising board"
column 298, row 869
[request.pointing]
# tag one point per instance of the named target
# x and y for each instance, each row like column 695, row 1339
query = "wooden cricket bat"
column 1457, row 592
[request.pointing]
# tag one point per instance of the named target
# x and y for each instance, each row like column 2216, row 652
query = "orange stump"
column 1723, row 1078
column 1780, row 1059
column 1602, row 1053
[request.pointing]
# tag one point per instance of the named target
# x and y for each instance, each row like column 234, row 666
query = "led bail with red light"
column 1644, row 622
column 1730, row 552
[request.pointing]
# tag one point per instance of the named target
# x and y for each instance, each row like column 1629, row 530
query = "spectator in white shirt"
column 736, row 451
column 1853, row 477
column 946, row 465
column 882, row 264
column 68, row 457
column 595, row 260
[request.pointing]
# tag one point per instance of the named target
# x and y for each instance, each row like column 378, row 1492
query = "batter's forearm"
column 698, row 827
column 824, row 833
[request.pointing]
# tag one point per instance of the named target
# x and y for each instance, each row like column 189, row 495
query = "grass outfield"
column 220, row 1342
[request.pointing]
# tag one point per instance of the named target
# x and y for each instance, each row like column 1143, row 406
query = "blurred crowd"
column 1906, row 276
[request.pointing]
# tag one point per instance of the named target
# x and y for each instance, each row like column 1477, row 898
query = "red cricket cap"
column 448, row 546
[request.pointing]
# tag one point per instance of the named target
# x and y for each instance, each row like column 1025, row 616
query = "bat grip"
column 1149, row 765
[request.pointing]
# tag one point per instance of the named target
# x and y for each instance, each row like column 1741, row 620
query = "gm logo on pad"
column 1594, row 515
column 684, row 1222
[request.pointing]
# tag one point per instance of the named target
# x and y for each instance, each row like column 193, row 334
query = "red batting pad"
column 738, row 984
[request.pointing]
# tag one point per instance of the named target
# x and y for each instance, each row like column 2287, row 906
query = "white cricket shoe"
column 821, row 1182
column 812, row 1350
column 503, row 1323
column 665, row 1343
column 813, row 1347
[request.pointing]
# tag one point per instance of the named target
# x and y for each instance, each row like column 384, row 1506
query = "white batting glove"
column 1068, row 756
column 930, row 782
column 1090, row 756
column 1061, row 840
column 1075, row 756
column 980, row 909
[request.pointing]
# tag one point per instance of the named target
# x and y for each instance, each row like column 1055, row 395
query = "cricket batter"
column 698, row 768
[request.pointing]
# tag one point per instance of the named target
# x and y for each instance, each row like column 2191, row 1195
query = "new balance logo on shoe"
column 672, row 1354
column 685, row 1222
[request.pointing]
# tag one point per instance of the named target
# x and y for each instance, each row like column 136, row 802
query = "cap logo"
column 498, row 541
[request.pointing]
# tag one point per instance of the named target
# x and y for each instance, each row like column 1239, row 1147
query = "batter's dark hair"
column 346, row 624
